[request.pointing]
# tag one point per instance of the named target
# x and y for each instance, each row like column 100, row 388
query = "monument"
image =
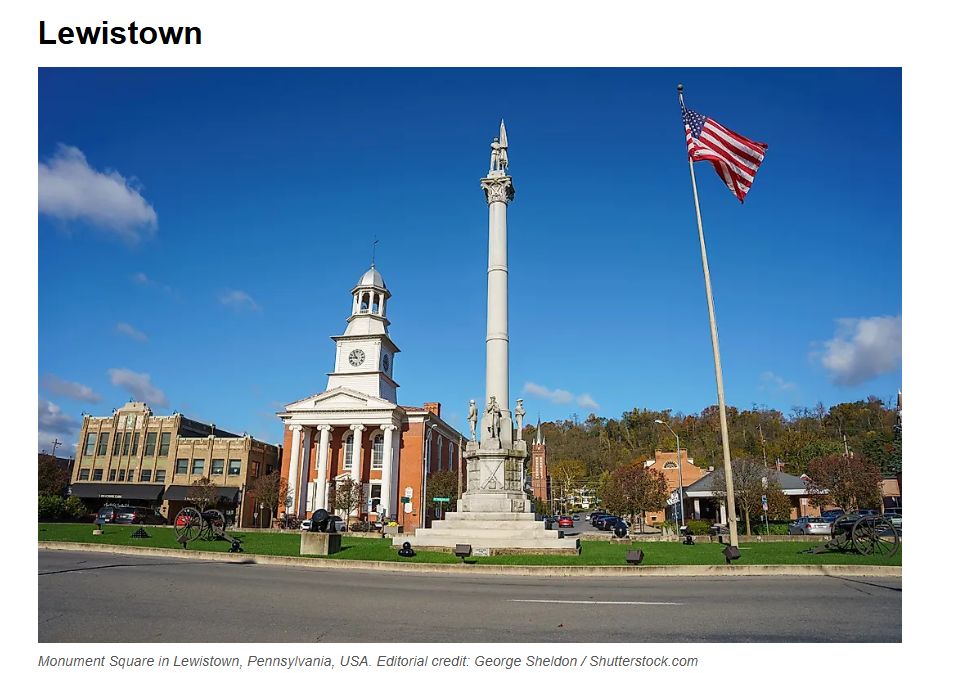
column 494, row 513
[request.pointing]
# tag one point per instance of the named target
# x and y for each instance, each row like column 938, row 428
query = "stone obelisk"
column 494, row 513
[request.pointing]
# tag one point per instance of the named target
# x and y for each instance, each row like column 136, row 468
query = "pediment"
column 340, row 399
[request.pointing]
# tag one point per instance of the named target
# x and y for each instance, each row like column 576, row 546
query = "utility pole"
column 56, row 443
column 763, row 441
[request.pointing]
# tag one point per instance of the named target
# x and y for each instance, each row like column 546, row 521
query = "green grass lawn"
column 373, row 549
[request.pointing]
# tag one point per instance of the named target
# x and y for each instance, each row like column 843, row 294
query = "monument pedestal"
column 320, row 544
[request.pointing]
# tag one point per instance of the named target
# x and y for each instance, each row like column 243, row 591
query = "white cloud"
column 70, row 189
column 585, row 401
column 771, row 380
column 139, row 386
column 239, row 300
column 75, row 391
column 863, row 348
column 52, row 425
column 124, row 328
column 142, row 279
column 556, row 396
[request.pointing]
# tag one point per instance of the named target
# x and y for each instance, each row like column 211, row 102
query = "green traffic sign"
column 442, row 499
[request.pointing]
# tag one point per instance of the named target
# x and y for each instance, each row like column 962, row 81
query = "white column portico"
column 356, row 453
column 321, row 483
column 387, row 470
column 303, row 480
column 289, row 503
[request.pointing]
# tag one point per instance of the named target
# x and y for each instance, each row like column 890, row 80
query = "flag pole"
column 727, row 463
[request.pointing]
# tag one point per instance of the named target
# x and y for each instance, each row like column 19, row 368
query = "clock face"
column 385, row 362
column 356, row 357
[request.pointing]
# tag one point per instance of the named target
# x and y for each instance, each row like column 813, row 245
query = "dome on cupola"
column 371, row 277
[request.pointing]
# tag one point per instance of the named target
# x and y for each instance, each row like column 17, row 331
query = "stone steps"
column 490, row 533
column 483, row 524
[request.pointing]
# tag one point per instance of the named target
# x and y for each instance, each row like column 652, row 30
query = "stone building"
column 136, row 458
column 356, row 430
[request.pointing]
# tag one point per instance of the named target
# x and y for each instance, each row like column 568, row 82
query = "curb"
column 465, row 569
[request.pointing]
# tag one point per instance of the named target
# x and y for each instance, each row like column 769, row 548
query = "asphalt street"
column 96, row 597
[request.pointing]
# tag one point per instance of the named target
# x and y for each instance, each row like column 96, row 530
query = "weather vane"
column 373, row 249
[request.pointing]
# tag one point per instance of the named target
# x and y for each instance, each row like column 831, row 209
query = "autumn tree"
column 849, row 482
column 442, row 485
column 751, row 481
column 634, row 489
column 566, row 473
column 269, row 492
column 203, row 494
column 52, row 476
column 347, row 497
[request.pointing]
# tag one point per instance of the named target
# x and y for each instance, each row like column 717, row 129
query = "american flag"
column 735, row 157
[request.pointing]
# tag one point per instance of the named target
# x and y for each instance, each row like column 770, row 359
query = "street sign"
column 405, row 500
column 409, row 492
column 765, row 504
column 441, row 499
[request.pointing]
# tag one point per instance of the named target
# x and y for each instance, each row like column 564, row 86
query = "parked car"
column 575, row 518
column 108, row 513
column 140, row 516
column 565, row 522
column 865, row 512
column 600, row 521
column 612, row 522
column 831, row 514
column 896, row 518
column 810, row 525
column 339, row 525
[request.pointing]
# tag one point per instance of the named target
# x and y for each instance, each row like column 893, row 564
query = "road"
column 86, row 597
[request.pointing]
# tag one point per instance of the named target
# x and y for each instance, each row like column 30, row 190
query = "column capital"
column 498, row 189
column 297, row 428
column 322, row 428
column 357, row 427
column 389, row 427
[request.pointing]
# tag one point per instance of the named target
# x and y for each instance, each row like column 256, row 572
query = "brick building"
column 667, row 462
column 356, row 430
column 136, row 458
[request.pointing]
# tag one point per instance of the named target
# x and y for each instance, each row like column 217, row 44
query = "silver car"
column 810, row 525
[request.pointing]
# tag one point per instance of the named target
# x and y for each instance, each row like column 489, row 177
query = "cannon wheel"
column 875, row 535
column 188, row 523
column 214, row 520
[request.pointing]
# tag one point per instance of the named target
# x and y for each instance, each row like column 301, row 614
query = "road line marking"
column 540, row 600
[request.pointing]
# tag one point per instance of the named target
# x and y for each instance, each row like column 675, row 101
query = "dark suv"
column 108, row 513
column 139, row 516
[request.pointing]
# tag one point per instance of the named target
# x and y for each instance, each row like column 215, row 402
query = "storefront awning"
column 117, row 491
column 227, row 493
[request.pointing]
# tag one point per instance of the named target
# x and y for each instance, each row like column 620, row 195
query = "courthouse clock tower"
column 365, row 353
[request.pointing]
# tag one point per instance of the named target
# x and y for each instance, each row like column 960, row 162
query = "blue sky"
column 200, row 231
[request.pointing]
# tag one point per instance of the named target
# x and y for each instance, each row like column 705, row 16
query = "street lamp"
column 678, row 453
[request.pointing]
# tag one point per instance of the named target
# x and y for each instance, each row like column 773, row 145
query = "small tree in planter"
column 348, row 496
column 269, row 492
column 203, row 494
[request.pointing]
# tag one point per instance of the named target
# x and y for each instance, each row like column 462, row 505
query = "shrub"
column 50, row 507
column 74, row 507
column 698, row 526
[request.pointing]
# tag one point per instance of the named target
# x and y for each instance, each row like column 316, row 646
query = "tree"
column 634, row 489
column 347, row 496
column 566, row 474
column 269, row 492
column 750, row 481
column 442, row 485
column 52, row 475
column 203, row 494
column 849, row 482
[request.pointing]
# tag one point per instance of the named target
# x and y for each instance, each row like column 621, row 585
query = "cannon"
column 321, row 522
column 866, row 535
column 192, row 524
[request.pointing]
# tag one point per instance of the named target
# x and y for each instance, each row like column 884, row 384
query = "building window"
column 151, row 443
column 113, row 475
column 118, row 440
column 255, row 469
column 197, row 466
column 270, row 469
column 98, row 474
column 145, row 475
column 133, row 446
column 349, row 452
column 378, row 453
column 165, row 444
column 85, row 474
column 375, row 497
column 130, row 475
column 122, row 475
column 91, row 444
column 160, row 475
column 234, row 466
column 102, row 444
column 217, row 466
column 439, row 453
column 181, row 466
column 670, row 465
column 126, row 443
